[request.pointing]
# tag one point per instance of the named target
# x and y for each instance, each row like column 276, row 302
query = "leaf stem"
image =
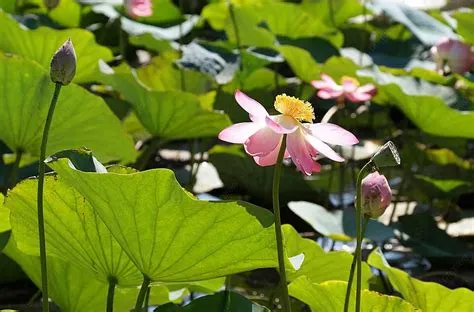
column 352, row 271
column 42, row 169
column 278, row 232
column 147, row 298
column 144, row 158
column 361, row 175
column 13, row 177
column 110, row 294
column 181, row 70
column 142, row 293
column 227, row 291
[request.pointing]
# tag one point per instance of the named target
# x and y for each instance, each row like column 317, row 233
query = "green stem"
column 42, row 169
column 331, row 13
column 352, row 271
column 110, row 294
column 147, row 298
column 227, row 293
column 237, row 39
column 367, row 167
column 13, row 178
column 181, row 70
column 278, row 232
column 142, row 293
column 154, row 144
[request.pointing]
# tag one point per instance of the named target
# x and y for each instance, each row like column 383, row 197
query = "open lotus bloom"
column 137, row 8
column 455, row 54
column 262, row 136
column 349, row 89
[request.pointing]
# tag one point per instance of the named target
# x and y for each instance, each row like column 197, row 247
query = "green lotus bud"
column 386, row 156
column 51, row 4
column 63, row 64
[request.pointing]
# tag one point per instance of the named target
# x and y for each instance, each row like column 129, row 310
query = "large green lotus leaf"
column 342, row 10
column 216, row 303
column 301, row 62
column 67, row 13
column 40, row 45
column 465, row 24
column 74, row 231
column 169, row 235
column 165, row 114
column 429, row 112
column 338, row 224
column 329, row 297
column 74, row 290
column 80, row 118
column 313, row 262
column 292, row 20
column 161, row 75
column 427, row 296
column 249, row 32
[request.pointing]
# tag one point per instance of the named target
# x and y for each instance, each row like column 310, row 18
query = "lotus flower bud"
column 453, row 53
column 51, row 4
column 63, row 64
column 376, row 195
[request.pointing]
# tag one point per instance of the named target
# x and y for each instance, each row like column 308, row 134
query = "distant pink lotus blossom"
column 455, row 54
column 376, row 195
column 138, row 8
column 349, row 89
column 262, row 136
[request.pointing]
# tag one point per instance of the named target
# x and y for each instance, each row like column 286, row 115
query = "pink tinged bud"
column 376, row 195
column 138, row 8
column 453, row 53
column 51, row 4
column 63, row 64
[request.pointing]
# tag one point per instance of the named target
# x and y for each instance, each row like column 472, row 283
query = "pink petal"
column 240, row 132
column 367, row 88
column 270, row 158
column 282, row 125
column 322, row 148
column 329, row 94
column 299, row 153
column 254, row 108
column 357, row 97
column 349, row 85
column 262, row 142
column 332, row 134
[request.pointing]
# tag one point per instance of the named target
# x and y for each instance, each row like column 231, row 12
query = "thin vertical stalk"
column 142, row 161
column 331, row 13
column 237, row 39
column 181, row 70
column 278, row 232
column 361, row 175
column 352, row 271
column 142, row 293
column 227, row 292
column 147, row 298
column 110, row 294
column 42, row 169
column 13, row 176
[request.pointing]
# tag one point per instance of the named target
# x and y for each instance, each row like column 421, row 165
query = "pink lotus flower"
column 138, row 8
column 376, row 195
column 454, row 53
column 262, row 136
column 349, row 89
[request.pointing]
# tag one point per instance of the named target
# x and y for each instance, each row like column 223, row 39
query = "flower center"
column 296, row 108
